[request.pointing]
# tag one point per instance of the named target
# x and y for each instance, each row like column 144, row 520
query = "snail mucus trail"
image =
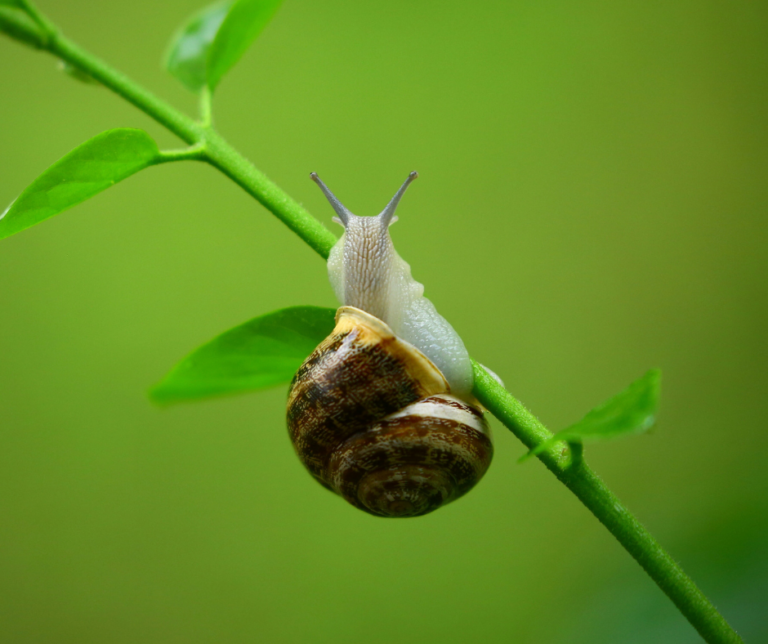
column 382, row 413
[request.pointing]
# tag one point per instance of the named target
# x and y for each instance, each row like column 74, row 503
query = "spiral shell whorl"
column 371, row 418
column 408, row 491
column 415, row 460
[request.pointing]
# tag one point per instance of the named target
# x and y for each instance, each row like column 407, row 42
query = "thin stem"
column 575, row 474
column 255, row 183
column 193, row 153
column 180, row 124
column 559, row 458
column 20, row 26
column 45, row 25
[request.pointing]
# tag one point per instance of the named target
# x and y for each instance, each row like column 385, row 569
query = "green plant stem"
column 564, row 461
column 567, row 464
column 21, row 26
column 224, row 157
column 192, row 153
column 46, row 27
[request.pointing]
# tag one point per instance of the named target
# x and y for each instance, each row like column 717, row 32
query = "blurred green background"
column 593, row 202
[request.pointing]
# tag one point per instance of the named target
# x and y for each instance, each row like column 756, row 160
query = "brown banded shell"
column 373, row 420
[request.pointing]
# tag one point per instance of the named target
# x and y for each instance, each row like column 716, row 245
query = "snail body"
column 381, row 412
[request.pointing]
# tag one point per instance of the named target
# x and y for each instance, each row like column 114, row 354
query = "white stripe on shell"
column 432, row 408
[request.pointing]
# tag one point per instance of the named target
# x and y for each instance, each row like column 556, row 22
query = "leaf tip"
column 156, row 396
column 163, row 394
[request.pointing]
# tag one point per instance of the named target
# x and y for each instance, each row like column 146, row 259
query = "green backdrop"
column 593, row 202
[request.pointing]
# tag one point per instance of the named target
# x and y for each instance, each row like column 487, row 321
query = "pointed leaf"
column 244, row 22
column 632, row 411
column 262, row 353
column 188, row 53
column 94, row 166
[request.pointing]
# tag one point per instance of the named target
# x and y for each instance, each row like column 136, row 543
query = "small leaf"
column 94, row 166
column 262, row 353
column 632, row 411
column 244, row 22
column 188, row 53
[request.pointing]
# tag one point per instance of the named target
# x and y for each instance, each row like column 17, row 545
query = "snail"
column 382, row 412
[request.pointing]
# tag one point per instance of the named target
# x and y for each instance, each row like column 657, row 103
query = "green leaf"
column 188, row 53
column 264, row 352
column 632, row 411
column 244, row 22
column 19, row 4
column 214, row 39
column 94, row 166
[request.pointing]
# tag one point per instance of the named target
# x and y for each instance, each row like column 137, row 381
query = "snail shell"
column 382, row 411
column 373, row 420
